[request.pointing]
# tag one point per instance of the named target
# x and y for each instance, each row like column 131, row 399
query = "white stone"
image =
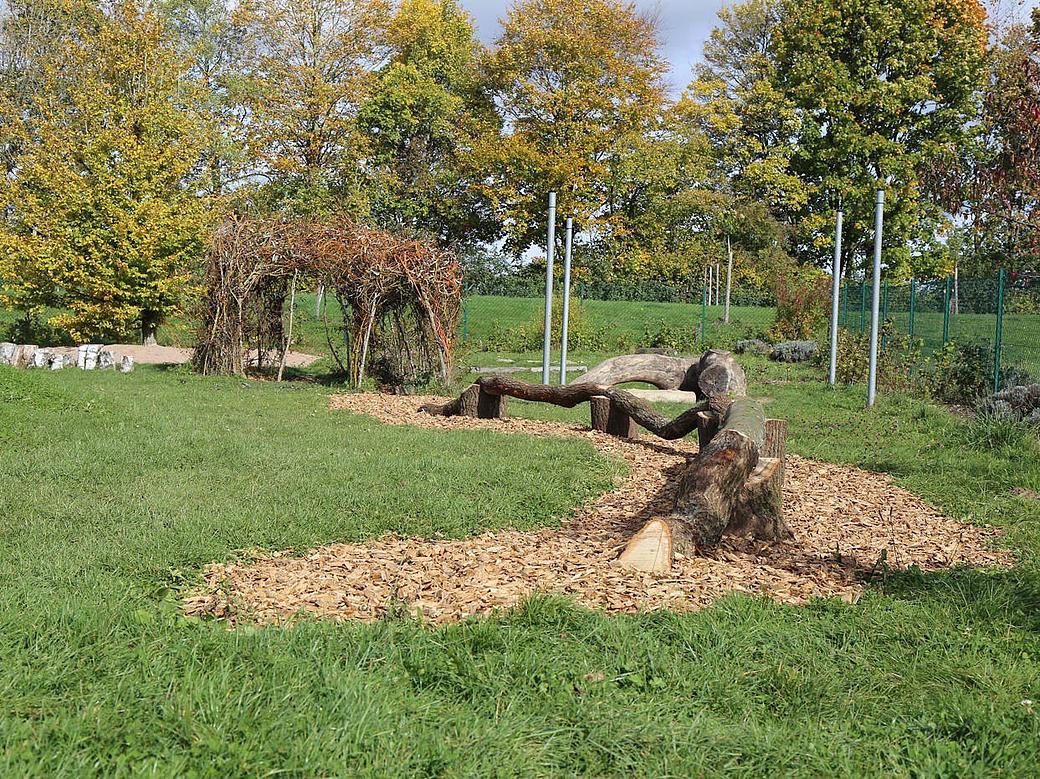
column 8, row 353
column 87, row 357
column 126, row 364
column 106, row 360
column 57, row 362
column 22, row 358
column 40, row 358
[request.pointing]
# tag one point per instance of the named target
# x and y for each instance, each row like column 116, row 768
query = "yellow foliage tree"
column 103, row 220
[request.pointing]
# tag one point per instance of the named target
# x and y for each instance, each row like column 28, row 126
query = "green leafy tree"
column 878, row 85
column 102, row 215
column 306, row 69
column 422, row 119
column 579, row 82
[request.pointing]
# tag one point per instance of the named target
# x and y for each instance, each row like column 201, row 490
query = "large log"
column 759, row 509
column 664, row 372
column 710, row 492
column 718, row 373
column 571, row 395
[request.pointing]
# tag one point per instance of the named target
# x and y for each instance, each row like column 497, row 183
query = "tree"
column 878, row 85
column 577, row 81
column 103, row 217
column 421, row 120
column 307, row 68
column 993, row 184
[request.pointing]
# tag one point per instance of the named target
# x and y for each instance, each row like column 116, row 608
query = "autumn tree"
column 103, row 219
column 579, row 83
column 423, row 117
column 993, row 183
column 307, row 67
column 878, row 85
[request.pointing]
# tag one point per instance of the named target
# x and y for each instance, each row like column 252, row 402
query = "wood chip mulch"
column 844, row 520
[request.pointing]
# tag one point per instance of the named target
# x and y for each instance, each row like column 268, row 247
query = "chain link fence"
column 1001, row 312
column 508, row 316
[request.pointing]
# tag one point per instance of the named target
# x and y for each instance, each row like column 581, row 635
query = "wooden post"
column 607, row 417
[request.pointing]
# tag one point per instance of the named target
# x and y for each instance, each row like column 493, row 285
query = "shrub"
column 752, row 345
column 897, row 363
column 960, row 372
column 800, row 305
column 794, row 351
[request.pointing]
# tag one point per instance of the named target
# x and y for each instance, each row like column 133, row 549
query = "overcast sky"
column 684, row 26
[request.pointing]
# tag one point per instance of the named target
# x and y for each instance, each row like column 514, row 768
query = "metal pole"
column 729, row 277
column 863, row 306
column 1000, row 329
column 549, row 248
column 913, row 302
column 704, row 310
column 946, row 313
column 465, row 311
column 884, row 315
column 879, row 216
column 836, row 272
column 566, row 298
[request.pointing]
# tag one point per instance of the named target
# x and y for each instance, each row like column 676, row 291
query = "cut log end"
column 650, row 549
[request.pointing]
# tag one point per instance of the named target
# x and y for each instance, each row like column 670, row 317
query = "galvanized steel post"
column 566, row 298
column 704, row 309
column 879, row 216
column 1000, row 329
column 550, row 247
column 946, row 313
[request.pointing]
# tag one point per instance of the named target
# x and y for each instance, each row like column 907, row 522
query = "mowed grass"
column 117, row 489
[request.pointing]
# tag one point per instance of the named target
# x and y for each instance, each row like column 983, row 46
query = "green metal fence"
column 509, row 316
column 1002, row 311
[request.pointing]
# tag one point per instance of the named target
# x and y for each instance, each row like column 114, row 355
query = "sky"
column 684, row 24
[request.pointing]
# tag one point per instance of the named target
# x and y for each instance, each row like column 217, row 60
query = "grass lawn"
column 118, row 489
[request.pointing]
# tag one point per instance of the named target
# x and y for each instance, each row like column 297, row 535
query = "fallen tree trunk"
column 664, row 372
column 727, row 488
column 569, row 396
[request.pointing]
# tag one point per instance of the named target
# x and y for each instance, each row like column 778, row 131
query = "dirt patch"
column 844, row 519
column 176, row 355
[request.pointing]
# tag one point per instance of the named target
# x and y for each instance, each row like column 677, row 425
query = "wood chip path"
column 843, row 519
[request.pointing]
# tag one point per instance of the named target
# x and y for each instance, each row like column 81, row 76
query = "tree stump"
column 759, row 509
column 491, row 406
column 607, row 417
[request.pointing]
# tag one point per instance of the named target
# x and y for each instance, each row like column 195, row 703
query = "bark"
column 662, row 371
column 718, row 373
column 571, row 395
column 607, row 417
column 759, row 509
column 474, row 401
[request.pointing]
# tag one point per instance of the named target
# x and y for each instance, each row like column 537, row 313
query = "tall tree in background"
column 579, row 82
column 993, row 183
column 103, row 219
column 879, row 85
column 426, row 113
column 307, row 68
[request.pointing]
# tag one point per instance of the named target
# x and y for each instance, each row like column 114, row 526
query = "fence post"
column 875, row 323
column 704, row 309
column 946, row 314
column 863, row 306
column 913, row 290
column 1000, row 328
column 836, row 288
column 550, row 248
column 465, row 310
column 884, row 316
column 566, row 300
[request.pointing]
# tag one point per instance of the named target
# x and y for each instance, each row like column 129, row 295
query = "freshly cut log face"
column 664, row 372
column 650, row 549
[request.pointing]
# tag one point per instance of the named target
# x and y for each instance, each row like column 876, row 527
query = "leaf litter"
column 848, row 523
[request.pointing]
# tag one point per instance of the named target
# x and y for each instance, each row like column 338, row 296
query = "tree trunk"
column 662, row 371
column 607, row 417
column 722, row 490
column 571, row 395
column 149, row 327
